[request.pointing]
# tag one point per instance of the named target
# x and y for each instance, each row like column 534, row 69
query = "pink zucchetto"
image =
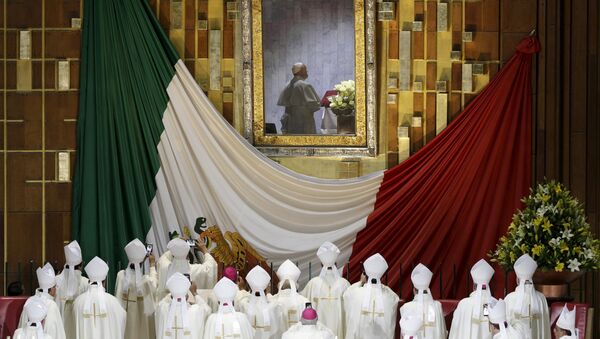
column 230, row 273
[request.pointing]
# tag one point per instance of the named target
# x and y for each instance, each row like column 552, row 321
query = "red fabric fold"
column 448, row 204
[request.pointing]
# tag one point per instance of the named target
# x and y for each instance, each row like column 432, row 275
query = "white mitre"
column 328, row 254
column 258, row 279
column 46, row 277
column 36, row 311
column 566, row 320
column 290, row 272
column 421, row 278
column 481, row 273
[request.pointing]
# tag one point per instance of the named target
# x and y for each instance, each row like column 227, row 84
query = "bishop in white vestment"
column 53, row 324
column 98, row 315
column 175, row 259
column 371, row 308
column 291, row 302
column 240, row 298
column 309, row 327
column 499, row 327
column 325, row 291
column 35, row 310
column 176, row 317
column 69, row 285
column 470, row 319
column 135, row 292
column 226, row 323
column 527, row 308
column 565, row 325
column 266, row 318
column 300, row 101
column 423, row 305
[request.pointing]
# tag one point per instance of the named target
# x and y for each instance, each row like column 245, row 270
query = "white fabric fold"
column 96, row 293
column 207, row 167
column 72, row 281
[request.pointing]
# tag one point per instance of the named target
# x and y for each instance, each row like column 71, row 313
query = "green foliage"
column 552, row 228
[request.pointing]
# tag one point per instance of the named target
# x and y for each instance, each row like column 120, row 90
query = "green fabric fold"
column 127, row 62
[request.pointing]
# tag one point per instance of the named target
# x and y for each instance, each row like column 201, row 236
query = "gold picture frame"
column 362, row 143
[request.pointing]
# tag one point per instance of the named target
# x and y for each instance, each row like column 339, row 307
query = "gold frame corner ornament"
column 362, row 143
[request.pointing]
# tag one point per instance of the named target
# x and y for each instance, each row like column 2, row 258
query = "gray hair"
column 297, row 67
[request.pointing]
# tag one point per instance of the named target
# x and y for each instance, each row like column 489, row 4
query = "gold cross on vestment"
column 94, row 315
column 372, row 313
column 174, row 327
column 292, row 313
column 328, row 297
column 262, row 328
column 125, row 297
column 530, row 317
column 225, row 336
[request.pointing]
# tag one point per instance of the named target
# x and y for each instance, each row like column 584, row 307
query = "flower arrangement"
column 343, row 103
column 552, row 229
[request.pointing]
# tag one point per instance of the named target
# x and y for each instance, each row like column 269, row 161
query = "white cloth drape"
column 208, row 169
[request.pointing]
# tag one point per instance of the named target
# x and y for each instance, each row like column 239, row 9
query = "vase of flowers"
column 343, row 106
column 552, row 228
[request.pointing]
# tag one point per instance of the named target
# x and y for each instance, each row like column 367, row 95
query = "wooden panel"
column 24, row 196
column 490, row 18
column 431, row 76
column 25, row 134
column 58, row 230
column 190, row 43
column 60, row 12
column 430, row 117
column 418, row 45
column 12, row 44
column 517, row 15
column 431, row 45
column 25, row 234
column 484, row 46
column 473, row 16
column 63, row 44
column 23, row 13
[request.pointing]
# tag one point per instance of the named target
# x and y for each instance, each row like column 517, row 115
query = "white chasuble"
column 138, row 302
column 318, row 331
column 266, row 318
column 431, row 314
column 204, row 275
column 470, row 319
column 527, row 311
column 69, row 285
column 370, row 311
column 98, row 315
column 325, row 294
column 228, row 325
column 173, row 322
column 292, row 304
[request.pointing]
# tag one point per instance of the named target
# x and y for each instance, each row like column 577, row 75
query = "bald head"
column 299, row 69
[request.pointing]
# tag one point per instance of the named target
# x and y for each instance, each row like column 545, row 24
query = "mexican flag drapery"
column 154, row 155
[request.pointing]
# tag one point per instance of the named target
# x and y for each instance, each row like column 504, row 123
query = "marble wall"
column 318, row 33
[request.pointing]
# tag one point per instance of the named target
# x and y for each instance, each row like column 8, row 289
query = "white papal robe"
column 469, row 321
column 204, row 275
column 511, row 333
column 257, row 309
column 292, row 304
column 318, row 331
column 228, row 325
column 325, row 294
column 300, row 101
column 528, row 313
column 138, row 323
column 432, row 315
column 65, row 303
column 197, row 314
column 28, row 332
column 96, row 323
column 53, row 323
column 370, row 323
